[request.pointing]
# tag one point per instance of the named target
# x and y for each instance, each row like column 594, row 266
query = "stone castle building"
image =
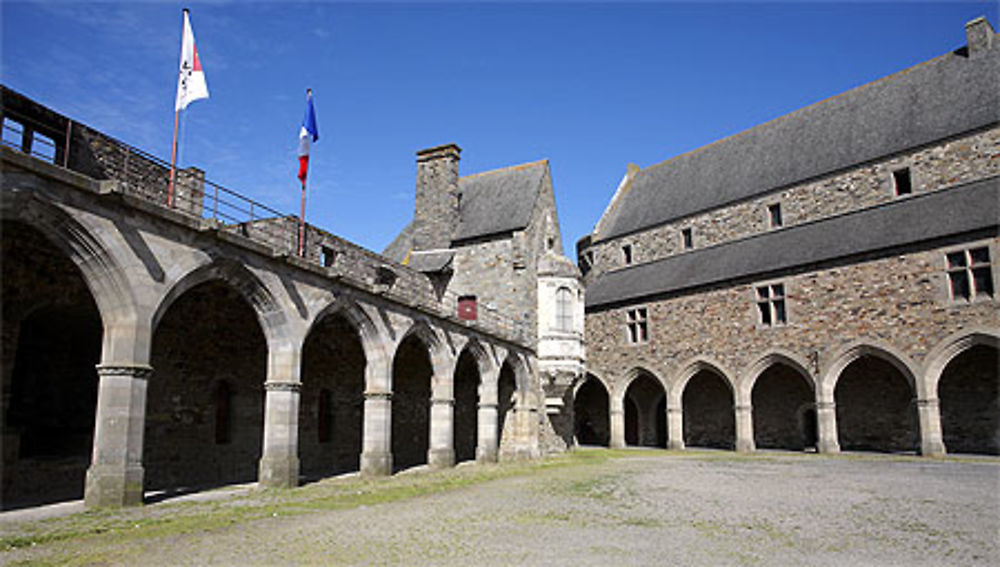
column 827, row 279
column 823, row 280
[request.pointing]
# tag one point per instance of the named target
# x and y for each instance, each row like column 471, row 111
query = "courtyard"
column 592, row 507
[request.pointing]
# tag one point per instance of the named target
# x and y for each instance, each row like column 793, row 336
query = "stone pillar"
column 441, row 453
column 617, row 423
column 931, row 442
column 376, row 452
column 279, row 465
column 675, row 428
column 744, row 429
column 826, row 423
column 115, row 474
column 488, row 442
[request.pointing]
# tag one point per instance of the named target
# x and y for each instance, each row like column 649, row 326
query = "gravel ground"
column 644, row 509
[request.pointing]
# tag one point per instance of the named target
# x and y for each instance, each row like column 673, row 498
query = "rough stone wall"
column 208, row 336
column 951, row 163
column 899, row 300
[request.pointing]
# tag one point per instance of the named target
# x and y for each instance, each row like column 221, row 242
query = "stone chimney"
column 979, row 36
column 435, row 213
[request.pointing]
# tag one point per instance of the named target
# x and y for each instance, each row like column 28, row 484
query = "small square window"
column 687, row 238
column 467, row 308
column 627, row 254
column 774, row 215
column 970, row 274
column 902, row 182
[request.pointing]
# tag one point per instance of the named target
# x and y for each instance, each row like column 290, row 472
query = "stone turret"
column 437, row 203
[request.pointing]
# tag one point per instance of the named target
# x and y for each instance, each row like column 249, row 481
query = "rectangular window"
column 326, row 256
column 771, row 305
column 13, row 133
column 467, row 308
column 687, row 238
column 970, row 274
column 901, row 181
column 627, row 254
column 774, row 215
column 636, row 325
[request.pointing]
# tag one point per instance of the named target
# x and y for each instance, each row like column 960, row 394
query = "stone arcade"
column 825, row 280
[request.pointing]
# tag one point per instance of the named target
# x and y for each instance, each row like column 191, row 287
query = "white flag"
column 191, row 83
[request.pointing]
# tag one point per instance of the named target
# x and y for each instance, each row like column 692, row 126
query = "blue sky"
column 590, row 86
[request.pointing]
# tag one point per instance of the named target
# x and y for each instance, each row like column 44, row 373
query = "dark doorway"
column 875, row 407
column 411, row 399
column 969, row 393
column 708, row 412
column 778, row 396
column 592, row 412
column 466, row 406
column 645, row 400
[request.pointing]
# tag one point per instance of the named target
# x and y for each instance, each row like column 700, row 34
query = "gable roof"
column 943, row 97
column 938, row 214
column 498, row 201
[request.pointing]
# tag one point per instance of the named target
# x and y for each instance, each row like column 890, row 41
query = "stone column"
column 675, row 427
column 931, row 442
column 617, row 423
column 488, row 442
column 115, row 474
column 826, row 423
column 279, row 465
column 441, row 453
column 376, row 453
column 744, row 429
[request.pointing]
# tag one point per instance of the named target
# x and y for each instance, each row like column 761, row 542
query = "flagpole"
column 173, row 162
column 302, row 221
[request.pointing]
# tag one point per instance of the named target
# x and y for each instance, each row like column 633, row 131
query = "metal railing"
column 143, row 175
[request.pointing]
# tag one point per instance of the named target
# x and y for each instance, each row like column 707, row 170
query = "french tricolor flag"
column 307, row 134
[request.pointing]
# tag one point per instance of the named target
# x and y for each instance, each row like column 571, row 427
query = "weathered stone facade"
column 834, row 348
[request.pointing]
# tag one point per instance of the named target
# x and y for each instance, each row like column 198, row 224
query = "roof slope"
column 942, row 97
column 965, row 208
column 500, row 200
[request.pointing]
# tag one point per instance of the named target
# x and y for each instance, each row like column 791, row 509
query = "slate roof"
column 399, row 248
column 500, row 200
column 431, row 261
column 937, row 99
column 911, row 220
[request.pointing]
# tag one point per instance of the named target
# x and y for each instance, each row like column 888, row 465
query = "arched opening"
column 708, row 412
column 645, row 399
column 591, row 411
column 466, row 406
column 969, row 394
column 506, row 388
column 205, row 400
column 331, row 413
column 51, row 344
column 781, row 396
column 411, row 403
column 875, row 407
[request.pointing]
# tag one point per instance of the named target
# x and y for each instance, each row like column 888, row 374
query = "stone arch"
column 708, row 408
column 421, row 374
column 591, row 411
column 108, row 282
column 962, row 375
column 522, row 373
column 373, row 340
column 874, row 388
column 950, row 347
column 746, row 382
column 269, row 312
column 470, row 387
column 693, row 366
column 634, row 373
column 878, row 349
column 643, row 398
column 782, row 394
column 336, row 365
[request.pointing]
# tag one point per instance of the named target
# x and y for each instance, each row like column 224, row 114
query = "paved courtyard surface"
column 643, row 508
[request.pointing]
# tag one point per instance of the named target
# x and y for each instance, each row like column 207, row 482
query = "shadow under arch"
column 643, row 397
column 592, row 411
column 875, row 389
column 707, row 395
column 782, row 393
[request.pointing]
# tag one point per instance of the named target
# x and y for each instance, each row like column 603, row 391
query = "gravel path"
column 650, row 508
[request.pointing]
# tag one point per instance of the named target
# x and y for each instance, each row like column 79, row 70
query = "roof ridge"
column 515, row 167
